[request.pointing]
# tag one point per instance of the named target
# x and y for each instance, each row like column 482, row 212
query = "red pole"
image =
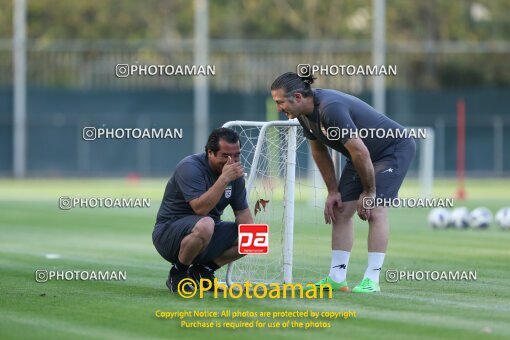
column 461, row 148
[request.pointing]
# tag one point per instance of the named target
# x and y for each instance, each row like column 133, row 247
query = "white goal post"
column 290, row 165
column 269, row 152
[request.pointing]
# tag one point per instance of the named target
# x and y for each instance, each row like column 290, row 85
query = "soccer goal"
column 269, row 155
column 286, row 192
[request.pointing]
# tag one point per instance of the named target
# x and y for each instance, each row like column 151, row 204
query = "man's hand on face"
column 232, row 170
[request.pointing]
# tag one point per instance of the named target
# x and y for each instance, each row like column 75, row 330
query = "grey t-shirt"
column 337, row 109
column 192, row 177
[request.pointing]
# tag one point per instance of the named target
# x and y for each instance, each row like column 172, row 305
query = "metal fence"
column 244, row 65
column 63, row 77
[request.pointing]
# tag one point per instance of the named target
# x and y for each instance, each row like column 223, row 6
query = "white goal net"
column 284, row 193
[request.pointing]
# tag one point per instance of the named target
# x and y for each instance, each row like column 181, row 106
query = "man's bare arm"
column 243, row 216
column 325, row 164
column 362, row 163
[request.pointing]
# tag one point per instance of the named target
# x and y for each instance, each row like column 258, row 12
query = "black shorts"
column 390, row 172
column 167, row 238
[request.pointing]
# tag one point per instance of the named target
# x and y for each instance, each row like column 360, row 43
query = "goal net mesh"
column 268, row 185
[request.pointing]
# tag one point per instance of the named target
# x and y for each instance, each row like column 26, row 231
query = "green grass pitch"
column 31, row 226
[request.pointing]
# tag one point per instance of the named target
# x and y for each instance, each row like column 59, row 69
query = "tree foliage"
column 473, row 20
column 407, row 22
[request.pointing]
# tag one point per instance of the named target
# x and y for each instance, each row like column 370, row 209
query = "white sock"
column 375, row 262
column 339, row 263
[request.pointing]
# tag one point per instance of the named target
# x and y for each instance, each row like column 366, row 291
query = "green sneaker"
column 341, row 286
column 367, row 286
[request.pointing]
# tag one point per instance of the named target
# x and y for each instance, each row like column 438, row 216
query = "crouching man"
column 189, row 232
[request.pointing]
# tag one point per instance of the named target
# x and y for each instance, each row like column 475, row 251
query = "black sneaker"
column 174, row 277
column 199, row 271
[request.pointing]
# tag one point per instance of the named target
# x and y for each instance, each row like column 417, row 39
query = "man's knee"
column 204, row 229
column 347, row 212
column 378, row 215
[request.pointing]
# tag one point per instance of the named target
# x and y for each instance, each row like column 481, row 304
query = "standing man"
column 189, row 231
column 375, row 167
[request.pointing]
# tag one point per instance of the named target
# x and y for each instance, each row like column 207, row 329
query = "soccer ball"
column 439, row 218
column 459, row 218
column 503, row 218
column 480, row 218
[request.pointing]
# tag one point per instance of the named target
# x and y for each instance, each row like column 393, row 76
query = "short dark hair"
column 290, row 82
column 226, row 134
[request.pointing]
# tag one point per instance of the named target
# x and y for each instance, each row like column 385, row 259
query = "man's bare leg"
column 341, row 242
column 195, row 242
column 229, row 255
column 378, row 231
column 377, row 243
column 343, row 230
